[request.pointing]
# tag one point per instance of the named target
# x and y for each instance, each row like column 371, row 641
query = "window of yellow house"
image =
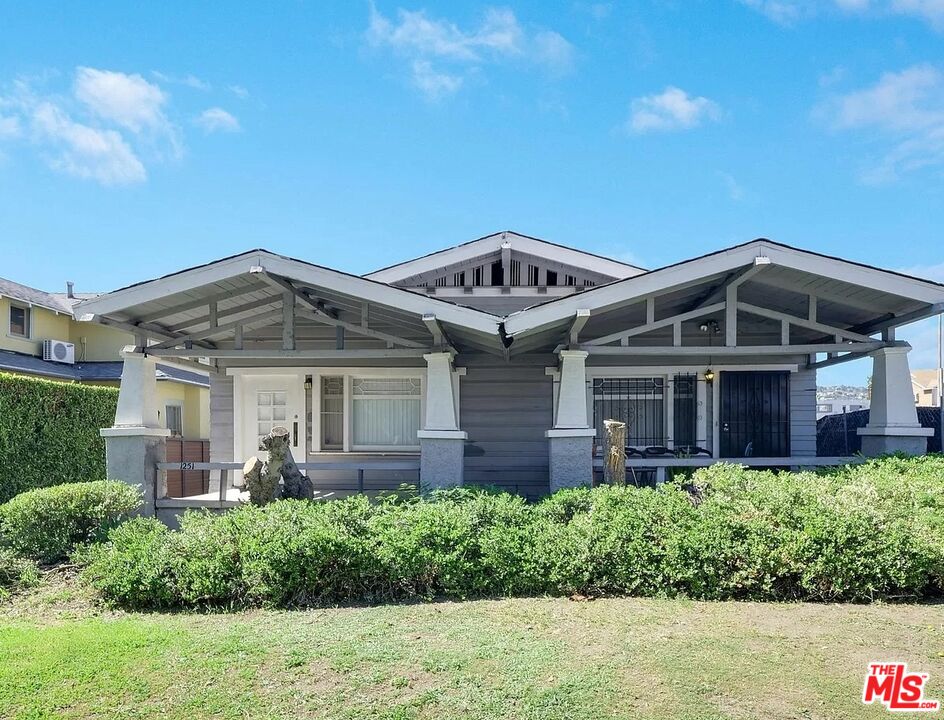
column 19, row 321
column 174, row 418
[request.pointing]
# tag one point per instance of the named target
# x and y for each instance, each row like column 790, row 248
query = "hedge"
column 49, row 432
column 856, row 534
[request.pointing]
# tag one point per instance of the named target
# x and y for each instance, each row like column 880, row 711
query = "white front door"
column 268, row 401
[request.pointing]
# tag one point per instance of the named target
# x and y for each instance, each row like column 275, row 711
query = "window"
column 368, row 413
column 173, row 419
column 640, row 402
column 385, row 412
column 570, row 280
column 498, row 274
column 458, row 279
column 477, row 275
column 441, row 281
column 332, row 413
column 19, row 321
column 551, row 278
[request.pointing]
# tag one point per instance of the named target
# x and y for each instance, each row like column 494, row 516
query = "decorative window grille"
column 638, row 402
column 685, row 412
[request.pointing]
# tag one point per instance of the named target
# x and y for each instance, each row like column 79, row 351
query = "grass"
column 62, row 656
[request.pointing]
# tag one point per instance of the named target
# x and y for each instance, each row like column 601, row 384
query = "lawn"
column 62, row 656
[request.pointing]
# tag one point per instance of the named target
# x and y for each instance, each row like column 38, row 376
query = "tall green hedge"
column 49, row 432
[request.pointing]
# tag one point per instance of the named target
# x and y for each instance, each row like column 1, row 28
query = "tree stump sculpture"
column 614, row 452
column 262, row 478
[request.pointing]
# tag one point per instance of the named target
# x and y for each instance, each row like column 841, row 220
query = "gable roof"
column 239, row 265
column 654, row 281
column 491, row 244
column 32, row 296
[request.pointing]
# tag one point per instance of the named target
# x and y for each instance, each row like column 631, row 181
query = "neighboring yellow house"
column 926, row 387
column 39, row 336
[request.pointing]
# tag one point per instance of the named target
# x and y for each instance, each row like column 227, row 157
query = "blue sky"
column 137, row 139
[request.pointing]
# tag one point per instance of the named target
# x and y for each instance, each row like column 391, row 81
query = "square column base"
column 570, row 457
column 878, row 441
column 131, row 455
column 442, row 459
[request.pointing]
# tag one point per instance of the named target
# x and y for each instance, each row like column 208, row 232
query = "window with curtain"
column 385, row 412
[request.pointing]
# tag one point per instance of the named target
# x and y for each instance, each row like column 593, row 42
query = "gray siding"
column 803, row 413
column 221, row 418
column 506, row 410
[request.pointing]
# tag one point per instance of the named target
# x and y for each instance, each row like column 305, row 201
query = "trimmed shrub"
column 875, row 530
column 16, row 573
column 133, row 569
column 49, row 432
column 48, row 523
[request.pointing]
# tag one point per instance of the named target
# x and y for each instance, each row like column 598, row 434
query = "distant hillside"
column 829, row 392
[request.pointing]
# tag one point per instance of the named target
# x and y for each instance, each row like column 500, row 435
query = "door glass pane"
column 270, row 411
column 685, row 411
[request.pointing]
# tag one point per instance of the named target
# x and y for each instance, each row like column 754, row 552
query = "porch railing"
column 659, row 465
column 222, row 473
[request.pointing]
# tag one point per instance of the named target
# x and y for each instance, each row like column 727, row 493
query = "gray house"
column 496, row 362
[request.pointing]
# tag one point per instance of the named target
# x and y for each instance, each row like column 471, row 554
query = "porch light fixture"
column 710, row 328
column 308, row 382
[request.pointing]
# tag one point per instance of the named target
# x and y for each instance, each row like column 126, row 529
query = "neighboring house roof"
column 90, row 371
column 23, row 293
column 924, row 378
column 491, row 243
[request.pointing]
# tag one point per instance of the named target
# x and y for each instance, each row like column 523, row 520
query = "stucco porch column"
column 136, row 442
column 442, row 443
column 570, row 442
column 893, row 421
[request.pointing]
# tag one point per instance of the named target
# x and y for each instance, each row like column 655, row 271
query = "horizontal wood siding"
column 506, row 409
column 803, row 413
column 221, row 419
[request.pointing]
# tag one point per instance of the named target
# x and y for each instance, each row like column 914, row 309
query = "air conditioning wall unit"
column 59, row 351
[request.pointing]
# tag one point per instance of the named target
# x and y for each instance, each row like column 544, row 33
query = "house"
column 839, row 405
column 496, row 361
column 926, row 386
column 41, row 338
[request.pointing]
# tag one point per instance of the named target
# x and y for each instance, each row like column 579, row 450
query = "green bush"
column 134, row 568
column 48, row 523
column 870, row 531
column 49, row 432
column 16, row 573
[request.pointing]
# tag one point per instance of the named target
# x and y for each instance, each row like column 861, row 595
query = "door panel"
column 270, row 400
column 755, row 414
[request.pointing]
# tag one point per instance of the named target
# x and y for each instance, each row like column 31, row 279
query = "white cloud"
column 239, row 91
column 216, row 119
column 428, row 43
column 126, row 100
column 190, row 81
column 9, row 127
column 84, row 151
column 434, row 85
column 735, row 191
column 904, row 108
column 788, row 12
column 672, row 109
